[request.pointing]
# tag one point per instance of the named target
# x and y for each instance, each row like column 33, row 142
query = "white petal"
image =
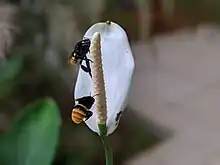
column 118, row 66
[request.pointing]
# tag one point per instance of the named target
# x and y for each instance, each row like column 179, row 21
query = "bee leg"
column 90, row 74
column 80, row 62
column 88, row 115
column 88, row 66
column 90, row 60
column 82, row 66
column 86, row 59
column 86, row 69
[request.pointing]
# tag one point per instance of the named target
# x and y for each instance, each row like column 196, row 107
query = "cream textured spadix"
column 118, row 67
column 98, row 79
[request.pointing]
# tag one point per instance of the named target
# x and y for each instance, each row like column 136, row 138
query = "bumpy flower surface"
column 118, row 68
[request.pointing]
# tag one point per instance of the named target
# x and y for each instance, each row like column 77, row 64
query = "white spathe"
column 118, row 67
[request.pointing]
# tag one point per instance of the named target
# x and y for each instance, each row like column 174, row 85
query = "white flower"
column 118, row 67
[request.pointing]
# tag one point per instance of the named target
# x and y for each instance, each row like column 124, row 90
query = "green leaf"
column 8, row 73
column 33, row 137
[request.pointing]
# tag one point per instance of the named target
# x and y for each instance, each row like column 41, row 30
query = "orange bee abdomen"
column 77, row 115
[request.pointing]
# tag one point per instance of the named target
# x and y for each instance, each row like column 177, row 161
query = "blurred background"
column 173, row 113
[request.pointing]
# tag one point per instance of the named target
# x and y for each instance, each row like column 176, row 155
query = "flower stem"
column 106, row 144
column 108, row 151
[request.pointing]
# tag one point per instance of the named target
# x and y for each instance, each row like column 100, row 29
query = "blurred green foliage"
column 33, row 136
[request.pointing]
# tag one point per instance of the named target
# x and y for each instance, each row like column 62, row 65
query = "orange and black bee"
column 79, row 54
column 81, row 111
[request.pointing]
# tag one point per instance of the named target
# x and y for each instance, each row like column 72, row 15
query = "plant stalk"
column 106, row 144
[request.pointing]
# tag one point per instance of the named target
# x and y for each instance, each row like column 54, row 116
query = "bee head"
column 87, row 101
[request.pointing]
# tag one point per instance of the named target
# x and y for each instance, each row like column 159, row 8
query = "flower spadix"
column 117, row 66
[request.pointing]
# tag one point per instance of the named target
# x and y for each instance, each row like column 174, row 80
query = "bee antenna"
column 96, row 95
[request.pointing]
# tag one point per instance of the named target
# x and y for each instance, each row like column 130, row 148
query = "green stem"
column 106, row 145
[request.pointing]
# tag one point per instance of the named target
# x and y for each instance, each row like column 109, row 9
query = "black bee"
column 81, row 111
column 79, row 54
